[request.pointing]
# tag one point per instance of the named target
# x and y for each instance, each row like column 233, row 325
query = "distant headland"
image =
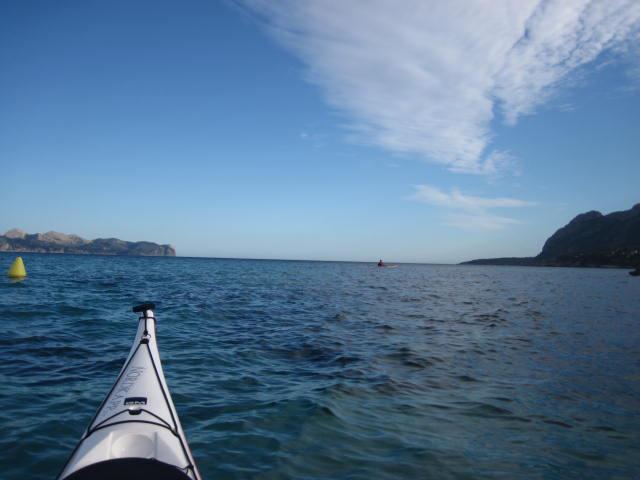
column 55, row 242
column 589, row 240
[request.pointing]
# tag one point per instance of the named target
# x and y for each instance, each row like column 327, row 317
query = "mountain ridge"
column 16, row 240
column 590, row 239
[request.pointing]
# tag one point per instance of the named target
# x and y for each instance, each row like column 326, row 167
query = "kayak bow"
column 136, row 432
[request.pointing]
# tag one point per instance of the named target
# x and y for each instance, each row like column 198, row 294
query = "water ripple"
column 318, row 370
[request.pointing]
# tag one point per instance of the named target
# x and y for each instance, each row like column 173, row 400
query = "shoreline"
column 249, row 259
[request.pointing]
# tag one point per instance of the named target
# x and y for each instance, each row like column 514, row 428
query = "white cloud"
column 470, row 212
column 426, row 77
column 479, row 221
column 456, row 199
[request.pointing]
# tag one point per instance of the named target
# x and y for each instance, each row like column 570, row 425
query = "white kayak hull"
column 136, row 432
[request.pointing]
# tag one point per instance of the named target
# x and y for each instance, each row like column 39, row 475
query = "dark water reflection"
column 333, row 370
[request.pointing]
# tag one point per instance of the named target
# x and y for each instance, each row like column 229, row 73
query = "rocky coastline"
column 591, row 239
column 16, row 240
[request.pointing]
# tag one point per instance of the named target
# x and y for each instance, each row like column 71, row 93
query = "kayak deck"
column 136, row 432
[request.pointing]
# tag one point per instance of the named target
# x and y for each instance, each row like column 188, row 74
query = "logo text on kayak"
column 127, row 382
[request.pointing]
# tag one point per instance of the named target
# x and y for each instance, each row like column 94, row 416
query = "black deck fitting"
column 143, row 307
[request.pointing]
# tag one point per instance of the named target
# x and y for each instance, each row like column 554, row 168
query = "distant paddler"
column 17, row 270
column 385, row 265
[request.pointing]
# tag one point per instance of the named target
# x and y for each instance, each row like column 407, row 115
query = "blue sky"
column 429, row 132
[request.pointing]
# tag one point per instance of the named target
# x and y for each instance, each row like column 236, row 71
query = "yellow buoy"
column 17, row 270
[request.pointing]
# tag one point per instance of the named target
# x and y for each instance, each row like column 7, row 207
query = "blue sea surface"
column 320, row 370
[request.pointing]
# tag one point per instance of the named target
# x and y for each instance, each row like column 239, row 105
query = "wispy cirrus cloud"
column 479, row 221
column 469, row 211
column 427, row 78
column 456, row 199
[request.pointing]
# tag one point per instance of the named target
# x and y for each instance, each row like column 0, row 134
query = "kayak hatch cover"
column 136, row 433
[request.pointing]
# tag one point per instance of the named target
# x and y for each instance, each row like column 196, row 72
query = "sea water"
column 314, row 370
